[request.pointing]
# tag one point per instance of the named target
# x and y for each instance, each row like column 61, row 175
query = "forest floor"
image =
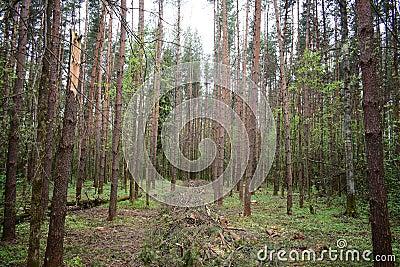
column 212, row 235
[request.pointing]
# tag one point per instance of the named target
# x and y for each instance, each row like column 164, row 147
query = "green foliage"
column 192, row 48
column 74, row 262
column 13, row 255
column 148, row 255
column 392, row 175
column 76, row 222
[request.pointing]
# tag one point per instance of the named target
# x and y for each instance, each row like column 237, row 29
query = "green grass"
column 11, row 255
column 88, row 191
column 301, row 230
column 320, row 230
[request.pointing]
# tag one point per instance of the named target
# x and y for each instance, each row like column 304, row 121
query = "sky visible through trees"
column 244, row 121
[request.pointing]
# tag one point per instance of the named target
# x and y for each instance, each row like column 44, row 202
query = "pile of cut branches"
column 197, row 237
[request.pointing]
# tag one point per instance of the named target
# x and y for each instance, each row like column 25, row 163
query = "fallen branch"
column 84, row 204
column 234, row 228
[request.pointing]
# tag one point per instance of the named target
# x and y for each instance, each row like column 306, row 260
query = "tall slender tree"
column 178, row 94
column 285, row 94
column 55, row 238
column 48, row 88
column 224, row 96
column 112, row 212
column 381, row 235
column 53, row 59
column 105, row 108
column 14, row 131
column 238, row 106
column 139, row 79
column 246, row 203
column 88, row 113
column 351, row 209
column 253, row 94
column 157, row 83
column 306, row 163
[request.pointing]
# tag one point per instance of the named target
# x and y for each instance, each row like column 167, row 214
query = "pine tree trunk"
column 51, row 104
column 246, row 193
column 396, row 116
column 252, row 123
column 381, row 235
column 55, row 238
column 82, row 79
column 139, row 80
column 106, row 108
column 157, row 82
column 45, row 133
column 238, row 102
column 5, row 80
column 112, row 212
column 306, row 164
column 224, row 97
column 88, row 120
column 98, row 124
column 285, row 93
column 14, row 131
column 351, row 209
column 278, row 146
column 178, row 94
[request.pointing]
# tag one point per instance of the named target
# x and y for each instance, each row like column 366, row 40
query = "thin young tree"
column 253, row 92
column 112, row 212
column 379, row 219
column 139, row 79
column 178, row 94
column 157, row 83
column 246, row 204
column 105, row 108
column 217, row 41
column 351, row 209
column 88, row 113
column 238, row 105
column 224, row 96
column 306, row 105
column 285, row 94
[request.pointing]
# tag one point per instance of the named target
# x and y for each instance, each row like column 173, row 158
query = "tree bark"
column 139, row 80
column 278, row 145
column 224, row 96
column 306, row 120
column 112, row 212
column 106, row 109
column 253, row 94
column 238, row 102
column 88, row 116
column 98, row 124
column 285, row 93
column 396, row 79
column 51, row 103
column 45, row 134
column 246, row 202
column 381, row 235
column 157, row 82
column 14, row 131
column 178, row 94
column 55, row 238
column 351, row 209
